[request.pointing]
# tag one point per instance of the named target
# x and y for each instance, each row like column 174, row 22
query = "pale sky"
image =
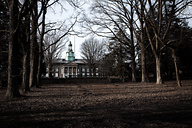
column 57, row 14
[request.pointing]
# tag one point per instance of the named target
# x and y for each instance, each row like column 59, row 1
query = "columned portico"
column 67, row 71
column 71, row 67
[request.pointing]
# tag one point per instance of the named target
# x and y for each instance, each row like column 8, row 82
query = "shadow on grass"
column 98, row 116
column 122, row 106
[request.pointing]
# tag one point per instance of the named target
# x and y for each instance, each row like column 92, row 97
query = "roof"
column 76, row 61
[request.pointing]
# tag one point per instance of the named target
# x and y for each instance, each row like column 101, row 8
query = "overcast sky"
column 57, row 14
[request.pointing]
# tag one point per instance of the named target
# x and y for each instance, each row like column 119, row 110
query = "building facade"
column 71, row 67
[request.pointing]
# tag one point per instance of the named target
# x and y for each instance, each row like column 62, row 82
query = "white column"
column 64, row 72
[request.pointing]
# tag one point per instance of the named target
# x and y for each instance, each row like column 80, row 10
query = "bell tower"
column 70, row 54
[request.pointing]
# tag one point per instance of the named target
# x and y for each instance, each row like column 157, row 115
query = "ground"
column 122, row 105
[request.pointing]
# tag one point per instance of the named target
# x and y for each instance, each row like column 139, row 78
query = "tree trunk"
column 31, row 76
column 133, row 67
column 13, row 65
column 158, row 71
column 176, row 68
column 32, row 45
column 25, row 74
column 39, row 66
column 50, row 71
column 40, row 50
column 25, row 50
column 132, row 49
column 144, row 77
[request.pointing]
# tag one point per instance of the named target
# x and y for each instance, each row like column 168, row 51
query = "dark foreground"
column 129, row 105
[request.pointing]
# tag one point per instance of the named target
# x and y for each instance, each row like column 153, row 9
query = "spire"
column 70, row 54
column 70, row 47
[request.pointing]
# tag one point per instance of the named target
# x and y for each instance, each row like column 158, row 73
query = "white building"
column 71, row 67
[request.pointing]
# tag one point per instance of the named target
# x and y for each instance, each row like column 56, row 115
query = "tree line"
column 28, row 41
column 152, row 36
column 144, row 37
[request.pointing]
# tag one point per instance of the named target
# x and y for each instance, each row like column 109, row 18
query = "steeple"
column 70, row 54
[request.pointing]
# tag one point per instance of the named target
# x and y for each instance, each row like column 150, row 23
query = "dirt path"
column 127, row 105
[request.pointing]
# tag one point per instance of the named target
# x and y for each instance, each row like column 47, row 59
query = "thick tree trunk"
column 13, row 65
column 33, row 45
column 132, row 50
column 144, row 77
column 25, row 50
column 31, row 76
column 133, row 68
column 25, row 74
column 158, row 71
column 176, row 68
column 39, row 66
column 133, row 63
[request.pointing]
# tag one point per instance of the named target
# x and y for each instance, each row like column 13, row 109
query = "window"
column 65, row 70
column 70, row 70
column 74, row 70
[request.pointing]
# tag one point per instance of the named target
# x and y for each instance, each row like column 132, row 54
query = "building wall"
column 72, row 69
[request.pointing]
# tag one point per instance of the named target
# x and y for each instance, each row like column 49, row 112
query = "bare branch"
column 62, row 35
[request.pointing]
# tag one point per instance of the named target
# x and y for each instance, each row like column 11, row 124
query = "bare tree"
column 44, row 5
column 151, row 15
column 108, row 13
column 30, row 36
column 17, row 11
column 13, row 70
column 154, row 17
column 92, row 51
column 33, row 45
column 132, row 45
column 141, row 40
column 25, row 45
column 124, row 10
column 53, row 50
column 25, row 14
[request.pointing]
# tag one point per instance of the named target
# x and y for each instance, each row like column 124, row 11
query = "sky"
column 57, row 14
